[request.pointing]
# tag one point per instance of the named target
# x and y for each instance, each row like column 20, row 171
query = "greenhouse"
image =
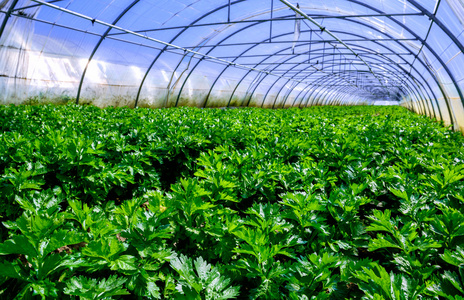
column 232, row 149
column 266, row 53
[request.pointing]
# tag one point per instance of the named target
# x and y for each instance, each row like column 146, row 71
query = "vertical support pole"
column 323, row 56
column 7, row 16
column 340, row 64
column 349, row 72
column 333, row 59
column 310, row 46
column 270, row 23
column 228, row 14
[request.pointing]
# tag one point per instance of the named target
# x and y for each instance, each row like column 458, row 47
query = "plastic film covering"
column 223, row 53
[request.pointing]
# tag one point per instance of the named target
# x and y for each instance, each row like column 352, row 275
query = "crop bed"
column 317, row 203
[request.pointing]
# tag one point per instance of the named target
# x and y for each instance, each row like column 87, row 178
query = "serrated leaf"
column 382, row 242
column 203, row 280
column 90, row 288
column 124, row 263
column 454, row 258
column 105, row 248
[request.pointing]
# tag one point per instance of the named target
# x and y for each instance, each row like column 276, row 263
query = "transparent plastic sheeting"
column 219, row 53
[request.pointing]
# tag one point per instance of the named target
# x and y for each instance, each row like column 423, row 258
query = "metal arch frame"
column 255, row 45
column 7, row 16
column 213, row 48
column 237, row 57
column 427, row 103
column 249, row 72
column 321, row 97
column 336, row 99
column 343, row 90
column 299, row 11
column 318, row 16
column 369, row 26
column 278, row 65
column 286, row 96
column 308, row 88
column 225, row 69
column 433, row 53
column 411, row 87
column 417, row 84
column 282, row 87
column 434, row 19
column 390, row 72
column 298, row 96
column 363, row 54
column 310, row 85
column 405, row 71
column 118, row 18
column 330, row 73
column 218, row 60
column 339, row 99
column 290, row 41
column 331, row 98
column 354, row 71
column 36, row 5
column 290, row 69
column 289, row 92
column 305, row 91
column 312, row 90
column 222, row 72
column 320, row 88
column 424, row 42
column 329, row 92
column 317, row 50
column 275, row 82
column 343, row 93
column 149, row 38
column 366, row 25
column 171, row 41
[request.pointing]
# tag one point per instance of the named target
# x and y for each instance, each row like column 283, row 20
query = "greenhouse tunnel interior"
column 235, row 53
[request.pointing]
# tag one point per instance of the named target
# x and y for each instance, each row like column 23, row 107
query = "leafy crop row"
column 319, row 203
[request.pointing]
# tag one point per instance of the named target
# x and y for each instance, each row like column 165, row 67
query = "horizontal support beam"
column 316, row 53
column 298, row 42
column 318, row 16
column 328, row 62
